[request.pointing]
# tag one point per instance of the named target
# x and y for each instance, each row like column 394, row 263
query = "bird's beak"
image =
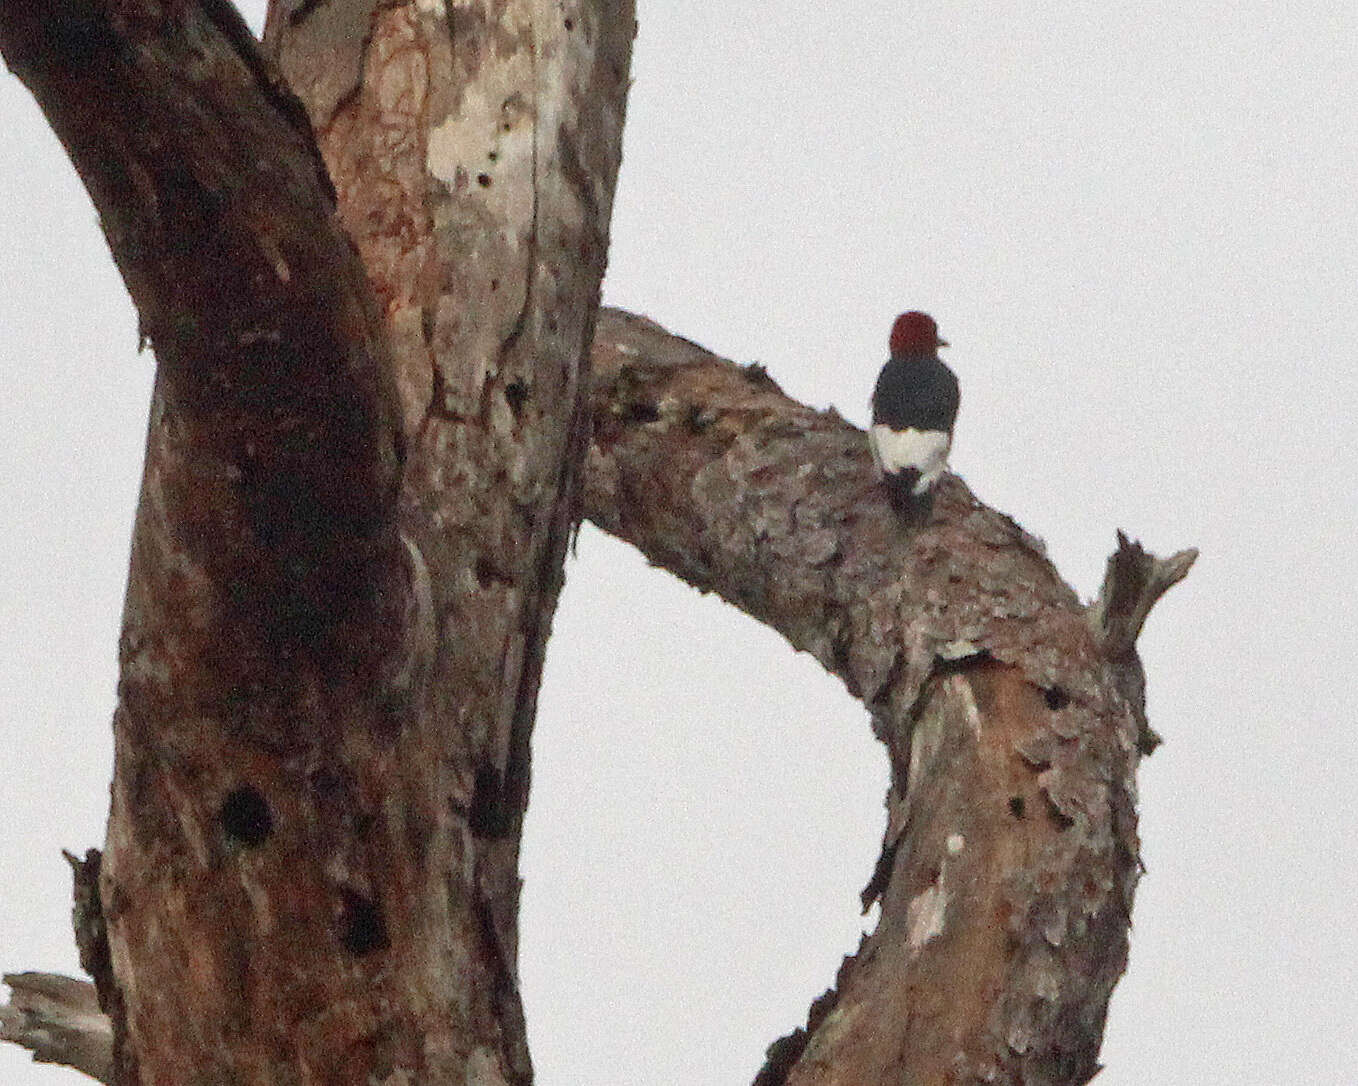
column 943, row 342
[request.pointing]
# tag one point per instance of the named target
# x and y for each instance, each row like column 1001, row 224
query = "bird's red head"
column 915, row 333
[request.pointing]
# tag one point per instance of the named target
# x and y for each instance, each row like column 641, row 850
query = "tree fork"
column 353, row 516
column 349, row 547
column 1009, row 861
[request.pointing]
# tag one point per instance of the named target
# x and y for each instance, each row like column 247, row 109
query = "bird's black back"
column 915, row 393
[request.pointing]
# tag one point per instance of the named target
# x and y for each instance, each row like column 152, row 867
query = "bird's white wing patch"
column 898, row 450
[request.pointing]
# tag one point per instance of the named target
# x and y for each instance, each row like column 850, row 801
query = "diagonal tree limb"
column 1010, row 858
column 720, row 478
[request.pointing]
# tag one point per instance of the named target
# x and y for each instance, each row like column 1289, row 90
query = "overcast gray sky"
column 1136, row 225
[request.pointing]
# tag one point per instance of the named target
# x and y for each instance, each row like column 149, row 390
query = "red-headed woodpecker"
column 913, row 409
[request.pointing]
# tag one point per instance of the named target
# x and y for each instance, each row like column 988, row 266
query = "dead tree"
column 371, row 305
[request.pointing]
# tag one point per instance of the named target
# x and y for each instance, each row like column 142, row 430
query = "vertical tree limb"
column 475, row 147
column 266, row 539
column 346, row 557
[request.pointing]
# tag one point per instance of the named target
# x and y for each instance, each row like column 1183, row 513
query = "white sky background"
column 1136, row 226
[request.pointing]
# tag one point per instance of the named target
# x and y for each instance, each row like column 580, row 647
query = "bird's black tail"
column 912, row 508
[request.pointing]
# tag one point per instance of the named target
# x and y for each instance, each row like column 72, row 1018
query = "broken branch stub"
column 1133, row 583
column 58, row 1019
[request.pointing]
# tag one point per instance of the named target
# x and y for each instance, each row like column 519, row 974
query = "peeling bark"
column 363, row 466
column 361, row 474
column 1010, row 860
column 1010, row 857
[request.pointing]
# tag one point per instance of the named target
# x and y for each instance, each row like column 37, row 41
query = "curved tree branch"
column 349, row 546
column 1010, row 857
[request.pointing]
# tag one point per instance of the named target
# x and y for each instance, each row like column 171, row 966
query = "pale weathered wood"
column 474, row 148
column 58, row 1019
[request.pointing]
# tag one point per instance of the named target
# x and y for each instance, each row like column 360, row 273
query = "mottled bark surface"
column 363, row 466
column 1009, row 862
column 1010, row 858
column 474, row 149
column 353, row 516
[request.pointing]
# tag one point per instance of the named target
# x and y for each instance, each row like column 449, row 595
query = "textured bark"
column 474, row 148
column 346, row 556
column 358, row 493
column 1132, row 584
column 1010, row 857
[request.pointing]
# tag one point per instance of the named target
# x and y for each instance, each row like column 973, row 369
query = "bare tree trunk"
column 357, row 497
column 346, row 556
column 1010, row 857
